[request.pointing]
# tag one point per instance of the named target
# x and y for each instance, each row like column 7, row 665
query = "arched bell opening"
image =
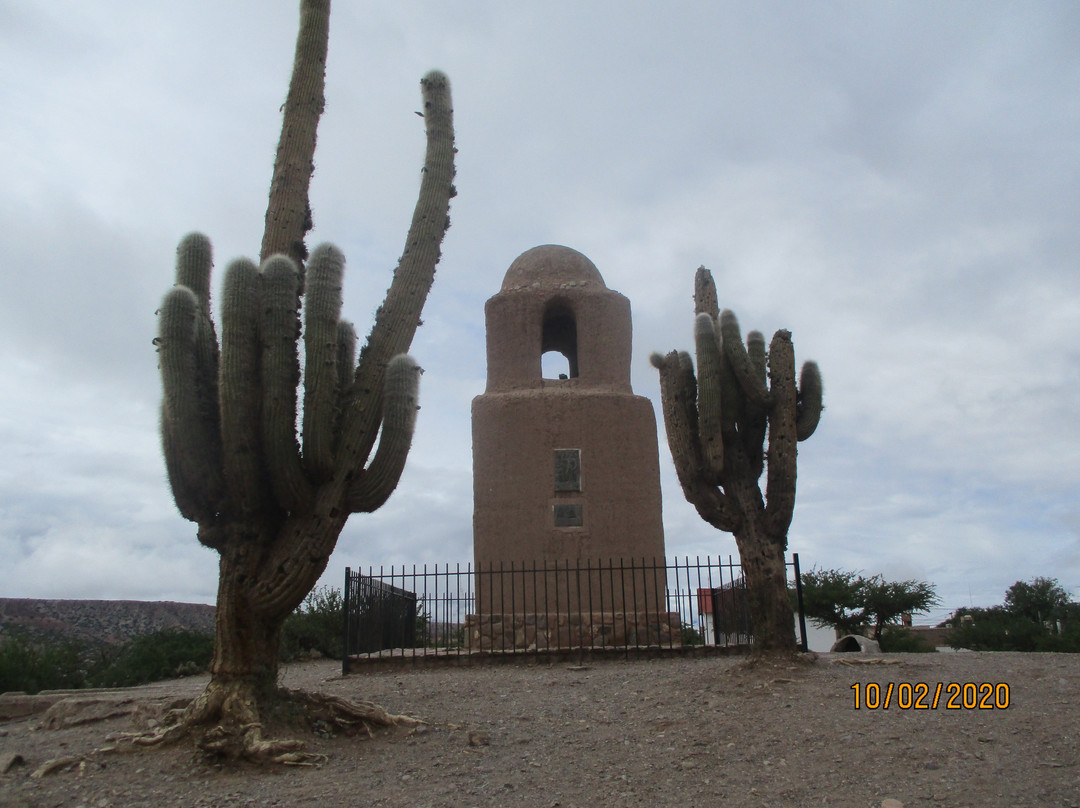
column 558, row 348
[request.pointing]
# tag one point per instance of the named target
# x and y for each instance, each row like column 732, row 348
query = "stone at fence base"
column 543, row 632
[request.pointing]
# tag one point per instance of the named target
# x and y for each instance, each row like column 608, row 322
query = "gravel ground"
column 664, row 732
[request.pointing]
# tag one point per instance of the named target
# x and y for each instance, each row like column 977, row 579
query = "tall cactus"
column 270, row 502
column 717, row 425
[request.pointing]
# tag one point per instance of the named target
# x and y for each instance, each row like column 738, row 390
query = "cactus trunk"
column 764, row 569
column 248, row 637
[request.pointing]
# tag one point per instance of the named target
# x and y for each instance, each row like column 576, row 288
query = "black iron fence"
column 625, row 605
column 378, row 615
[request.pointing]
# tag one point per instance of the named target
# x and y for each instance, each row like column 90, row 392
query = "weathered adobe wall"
column 514, row 437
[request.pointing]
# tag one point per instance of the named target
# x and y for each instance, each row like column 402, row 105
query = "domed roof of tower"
column 551, row 266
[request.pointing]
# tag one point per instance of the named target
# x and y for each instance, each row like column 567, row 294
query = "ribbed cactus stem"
column 755, row 418
column 322, row 310
column 288, row 214
column 739, row 360
column 346, row 358
column 811, row 395
column 190, row 436
column 396, row 320
column 241, row 391
column 194, row 261
column 379, row 480
column 176, row 335
column 280, row 329
column 731, row 394
column 705, row 294
column 780, row 486
column 759, row 359
column 678, row 392
column 709, row 398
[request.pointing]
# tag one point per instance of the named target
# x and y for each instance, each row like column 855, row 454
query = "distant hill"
column 101, row 621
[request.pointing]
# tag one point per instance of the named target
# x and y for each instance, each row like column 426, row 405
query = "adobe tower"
column 564, row 469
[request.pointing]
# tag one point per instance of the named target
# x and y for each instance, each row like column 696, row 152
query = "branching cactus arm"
column 346, row 367
column 241, row 390
column 755, row 418
column 678, row 389
column 322, row 315
column 811, row 396
column 745, row 370
column 781, row 473
column 373, row 486
column 705, row 300
column 280, row 329
column 710, row 405
column 187, row 354
column 288, row 214
column 399, row 316
column 191, row 466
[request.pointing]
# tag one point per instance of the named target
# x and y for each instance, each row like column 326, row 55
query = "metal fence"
column 378, row 615
column 626, row 605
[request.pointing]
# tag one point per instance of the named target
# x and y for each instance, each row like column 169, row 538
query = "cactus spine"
column 717, row 425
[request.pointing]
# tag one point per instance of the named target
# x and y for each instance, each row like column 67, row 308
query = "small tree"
column 886, row 601
column 1039, row 600
column 719, row 423
column 270, row 505
column 832, row 598
column 851, row 603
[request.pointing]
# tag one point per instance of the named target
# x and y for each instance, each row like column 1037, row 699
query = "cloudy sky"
column 897, row 184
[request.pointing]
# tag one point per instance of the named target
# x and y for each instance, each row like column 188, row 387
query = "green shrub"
column 33, row 665
column 897, row 639
column 316, row 627
column 998, row 629
column 1038, row 615
column 690, row 635
column 164, row 654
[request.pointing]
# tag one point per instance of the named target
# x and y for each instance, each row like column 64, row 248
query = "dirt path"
column 687, row 732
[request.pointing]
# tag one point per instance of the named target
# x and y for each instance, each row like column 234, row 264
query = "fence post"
column 803, row 646
column 345, row 630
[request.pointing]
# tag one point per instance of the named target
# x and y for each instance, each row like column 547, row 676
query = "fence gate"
column 731, row 612
column 378, row 615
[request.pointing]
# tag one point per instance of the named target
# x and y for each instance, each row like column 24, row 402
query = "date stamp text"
column 927, row 696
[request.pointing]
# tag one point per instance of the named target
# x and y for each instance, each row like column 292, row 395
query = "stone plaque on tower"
column 565, row 468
